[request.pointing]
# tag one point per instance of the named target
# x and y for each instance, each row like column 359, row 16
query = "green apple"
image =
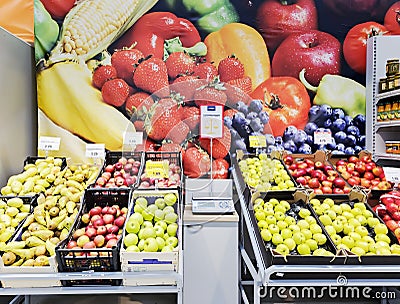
column 280, row 216
column 268, row 206
column 382, row 237
column 258, row 202
column 277, row 239
column 315, row 202
column 171, row 217
column 148, row 232
column 318, row 210
column 170, row 199
column 150, row 245
column 361, row 219
column 298, row 237
column 163, row 224
column 341, row 218
column 336, row 239
column 294, row 228
column 130, row 239
column 372, row 222
column 290, row 220
column 141, row 245
column 368, row 239
column 348, row 215
column 258, row 208
column 362, row 244
column 310, row 219
column 345, row 207
column 160, row 242
column 367, row 213
column 307, row 233
column 361, row 230
column 332, row 214
column 320, row 238
column 383, row 251
column 279, row 208
column 303, row 213
column 160, row 203
column 312, row 244
column 325, row 206
column 395, row 249
column 355, row 236
column 273, row 228
column 354, row 222
column 172, row 229
column 356, row 211
column 167, row 248
column 372, row 247
column 266, row 235
column 343, row 246
column 348, row 241
column 330, row 229
column 303, row 224
column 325, row 219
column 159, row 231
column 336, row 209
column 282, row 249
column 273, row 201
column 172, row 240
column 315, row 228
column 269, row 212
column 138, row 208
column 262, row 224
column 138, row 217
column 329, row 201
column 152, row 208
column 380, row 229
column 322, row 252
column 168, row 209
column 290, row 243
column 147, row 215
column 286, row 233
column 303, row 249
column 260, row 215
column 158, row 215
column 285, row 204
column 147, row 224
column 347, row 228
column 360, row 206
column 133, row 248
column 132, row 226
column 282, row 225
column 270, row 219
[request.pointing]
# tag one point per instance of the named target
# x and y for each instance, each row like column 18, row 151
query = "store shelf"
column 388, row 124
column 387, row 156
column 387, row 94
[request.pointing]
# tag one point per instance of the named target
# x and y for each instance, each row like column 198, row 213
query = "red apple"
column 288, row 159
column 111, row 243
column 104, row 210
column 314, row 183
column 89, row 245
column 327, row 190
column 341, row 162
column 396, row 216
column 353, row 159
column 101, row 230
column 387, row 199
column 309, row 162
column 318, row 52
column 368, row 175
column 397, row 232
column 113, row 229
column 95, row 211
column 352, row 181
column 346, row 189
column 101, row 181
column 302, row 165
column 278, row 19
column 360, row 167
column 71, row 244
column 319, row 165
column 108, row 218
column 106, row 175
column 377, row 171
column 97, row 223
column 99, row 240
column 113, row 209
column 366, row 183
column 91, row 232
column 337, row 191
column 386, row 218
column 119, row 221
column 118, row 166
column 318, row 191
column 339, row 182
column 109, row 168
column 110, row 236
column 327, row 183
column 392, row 225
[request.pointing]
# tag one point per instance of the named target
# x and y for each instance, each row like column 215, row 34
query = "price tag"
column 322, row 137
column 211, row 121
column 392, row 174
column 157, row 169
column 257, row 141
column 95, row 150
column 132, row 138
column 47, row 143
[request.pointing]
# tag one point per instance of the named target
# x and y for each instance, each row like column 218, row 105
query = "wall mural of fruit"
column 161, row 63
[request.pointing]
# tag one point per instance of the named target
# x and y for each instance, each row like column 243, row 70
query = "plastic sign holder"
column 96, row 152
column 47, row 143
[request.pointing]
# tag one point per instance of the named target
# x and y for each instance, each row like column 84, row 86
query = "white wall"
column 18, row 107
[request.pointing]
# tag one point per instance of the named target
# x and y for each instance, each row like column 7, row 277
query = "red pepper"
column 152, row 29
column 286, row 101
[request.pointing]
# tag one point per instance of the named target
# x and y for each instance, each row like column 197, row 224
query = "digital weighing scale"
column 209, row 196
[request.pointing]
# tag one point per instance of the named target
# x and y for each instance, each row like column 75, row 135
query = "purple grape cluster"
column 249, row 120
column 348, row 133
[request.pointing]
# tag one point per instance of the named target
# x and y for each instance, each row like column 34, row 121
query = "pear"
column 8, row 258
column 21, row 215
column 55, row 240
column 53, row 211
column 15, row 202
column 50, row 247
column 64, row 234
column 43, row 234
column 3, row 246
column 34, row 241
column 18, row 262
column 24, row 254
column 41, row 260
column 15, row 245
column 3, row 204
column 12, row 211
column 25, row 235
column 5, row 235
column 29, row 220
column 40, row 250
column 6, row 219
column 36, row 226
column 29, row 262
column 52, row 225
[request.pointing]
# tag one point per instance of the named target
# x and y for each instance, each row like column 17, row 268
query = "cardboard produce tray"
column 94, row 259
column 147, row 262
column 271, row 257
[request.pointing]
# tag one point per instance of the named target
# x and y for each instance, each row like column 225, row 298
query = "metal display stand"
column 265, row 277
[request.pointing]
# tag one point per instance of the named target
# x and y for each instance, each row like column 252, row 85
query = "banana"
column 67, row 97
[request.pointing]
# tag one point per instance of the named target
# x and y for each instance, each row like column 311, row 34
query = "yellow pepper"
column 246, row 44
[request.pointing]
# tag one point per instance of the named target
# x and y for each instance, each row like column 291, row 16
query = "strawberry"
column 178, row 133
column 162, row 118
column 179, row 63
column 205, row 70
column 230, row 68
column 102, row 74
column 124, row 61
column 115, row 92
column 186, row 86
column 220, row 146
column 211, row 94
column 139, row 125
column 196, row 162
column 191, row 116
column 220, row 168
column 238, row 90
column 139, row 104
column 151, row 76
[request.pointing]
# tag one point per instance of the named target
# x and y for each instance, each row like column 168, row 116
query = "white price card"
column 211, row 121
column 257, row 141
column 322, row 137
column 132, row 138
column 47, row 143
column 95, row 150
column 392, row 174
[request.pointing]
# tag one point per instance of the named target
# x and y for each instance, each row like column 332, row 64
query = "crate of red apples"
column 313, row 171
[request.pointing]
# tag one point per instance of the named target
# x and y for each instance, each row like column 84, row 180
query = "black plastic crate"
column 94, row 259
column 271, row 257
column 171, row 158
column 112, row 157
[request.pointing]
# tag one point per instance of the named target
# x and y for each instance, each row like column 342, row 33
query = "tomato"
column 220, row 168
column 58, row 8
column 286, row 101
column 392, row 19
column 355, row 44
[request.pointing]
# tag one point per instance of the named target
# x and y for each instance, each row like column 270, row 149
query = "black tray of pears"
column 289, row 231
column 355, row 228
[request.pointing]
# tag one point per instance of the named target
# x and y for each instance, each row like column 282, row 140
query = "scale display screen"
column 210, row 205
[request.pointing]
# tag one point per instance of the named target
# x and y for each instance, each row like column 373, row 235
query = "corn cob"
column 92, row 25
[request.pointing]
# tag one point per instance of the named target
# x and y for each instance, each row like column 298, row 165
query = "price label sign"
column 392, row 174
column 211, row 121
column 95, row 150
column 257, row 141
column 322, row 137
column 47, row 143
column 157, row 169
column 132, row 138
